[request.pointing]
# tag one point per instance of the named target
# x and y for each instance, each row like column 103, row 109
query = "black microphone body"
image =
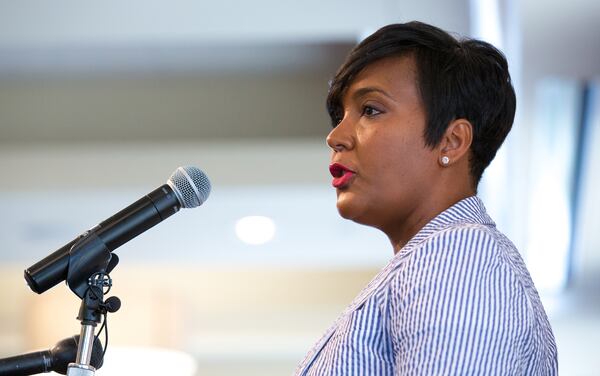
column 56, row 359
column 113, row 232
column 27, row 364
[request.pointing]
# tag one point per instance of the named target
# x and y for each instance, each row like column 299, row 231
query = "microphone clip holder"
column 90, row 261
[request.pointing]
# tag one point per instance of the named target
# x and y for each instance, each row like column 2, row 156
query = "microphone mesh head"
column 191, row 185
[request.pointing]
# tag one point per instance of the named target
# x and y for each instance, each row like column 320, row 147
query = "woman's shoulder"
column 466, row 254
column 459, row 241
column 460, row 250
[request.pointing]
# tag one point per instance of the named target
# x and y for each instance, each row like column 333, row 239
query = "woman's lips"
column 342, row 175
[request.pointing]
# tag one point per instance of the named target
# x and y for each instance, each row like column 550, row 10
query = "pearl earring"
column 445, row 160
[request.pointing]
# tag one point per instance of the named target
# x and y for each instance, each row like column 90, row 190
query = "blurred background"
column 100, row 102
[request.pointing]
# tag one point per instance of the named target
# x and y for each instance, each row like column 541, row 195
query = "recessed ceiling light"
column 255, row 229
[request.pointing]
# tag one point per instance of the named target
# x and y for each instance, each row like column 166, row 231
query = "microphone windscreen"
column 65, row 352
column 97, row 358
column 191, row 185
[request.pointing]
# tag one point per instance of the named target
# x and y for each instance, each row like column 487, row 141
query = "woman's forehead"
column 395, row 76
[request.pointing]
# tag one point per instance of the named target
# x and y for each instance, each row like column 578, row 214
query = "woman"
column 417, row 117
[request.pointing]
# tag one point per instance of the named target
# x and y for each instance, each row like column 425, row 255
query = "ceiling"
column 147, row 71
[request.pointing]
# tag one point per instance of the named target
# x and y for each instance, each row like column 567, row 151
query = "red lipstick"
column 342, row 175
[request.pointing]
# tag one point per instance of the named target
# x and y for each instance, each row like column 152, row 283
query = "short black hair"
column 457, row 79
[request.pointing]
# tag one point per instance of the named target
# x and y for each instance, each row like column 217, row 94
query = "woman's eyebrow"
column 370, row 89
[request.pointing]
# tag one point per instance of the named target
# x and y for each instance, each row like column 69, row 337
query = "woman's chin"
column 344, row 212
column 348, row 208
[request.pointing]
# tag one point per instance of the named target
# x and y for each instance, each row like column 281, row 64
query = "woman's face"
column 380, row 141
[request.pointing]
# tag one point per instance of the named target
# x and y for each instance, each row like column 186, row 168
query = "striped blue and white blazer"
column 456, row 300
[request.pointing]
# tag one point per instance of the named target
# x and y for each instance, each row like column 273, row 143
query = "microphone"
column 56, row 359
column 187, row 187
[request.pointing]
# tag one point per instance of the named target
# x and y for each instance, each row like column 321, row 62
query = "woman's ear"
column 456, row 142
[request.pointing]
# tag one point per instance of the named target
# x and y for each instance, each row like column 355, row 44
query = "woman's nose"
column 340, row 137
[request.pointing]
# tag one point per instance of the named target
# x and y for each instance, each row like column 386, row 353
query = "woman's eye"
column 370, row 111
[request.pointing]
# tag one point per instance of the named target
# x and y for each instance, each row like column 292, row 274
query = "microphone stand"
column 90, row 314
column 90, row 261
